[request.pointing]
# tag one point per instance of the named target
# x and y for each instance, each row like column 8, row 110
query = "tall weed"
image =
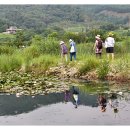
column 7, row 50
column 85, row 48
column 43, row 62
column 47, row 45
column 88, row 65
column 9, row 63
column 122, row 65
column 103, row 69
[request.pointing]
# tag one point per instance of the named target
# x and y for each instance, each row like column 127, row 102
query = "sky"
column 64, row 2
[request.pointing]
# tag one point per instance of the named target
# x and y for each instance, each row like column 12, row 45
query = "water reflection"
column 75, row 96
column 11, row 105
column 67, row 96
column 72, row 95
column 102, row 102
column 114, row 100
column 114, row 103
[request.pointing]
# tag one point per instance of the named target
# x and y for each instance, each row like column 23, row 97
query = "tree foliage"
column 41, row 17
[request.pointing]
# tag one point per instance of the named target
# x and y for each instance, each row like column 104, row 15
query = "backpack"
column 64, row 49
column 72, row 49
column 99, row 45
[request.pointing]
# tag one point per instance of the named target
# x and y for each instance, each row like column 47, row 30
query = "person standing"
column 98, row 46
column 72, row 49
column 64, row 51
column 109, row 44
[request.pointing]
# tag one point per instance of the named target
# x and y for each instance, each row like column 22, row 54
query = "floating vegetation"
column 30, row 84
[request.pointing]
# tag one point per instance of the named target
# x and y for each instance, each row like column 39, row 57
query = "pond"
column 58, row 109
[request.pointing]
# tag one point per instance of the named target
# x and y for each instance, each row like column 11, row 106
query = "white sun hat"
column 61, row 42
column 70, row 40
column 97, row 37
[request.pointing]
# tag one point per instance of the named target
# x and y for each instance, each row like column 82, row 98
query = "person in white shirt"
column 109, row 44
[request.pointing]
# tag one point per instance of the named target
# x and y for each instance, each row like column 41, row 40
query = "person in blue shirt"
column 72, row 49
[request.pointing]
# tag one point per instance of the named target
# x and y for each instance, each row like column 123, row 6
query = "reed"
column 9, row 63
column 103, row 69
column 44, row 62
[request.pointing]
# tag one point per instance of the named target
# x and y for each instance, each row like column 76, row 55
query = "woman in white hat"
column 98, row 46
column 64, row 51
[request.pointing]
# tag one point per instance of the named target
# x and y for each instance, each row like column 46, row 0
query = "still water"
column 52, row 109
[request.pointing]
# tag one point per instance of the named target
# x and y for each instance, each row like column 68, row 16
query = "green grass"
column 122, row 66
column 78, row 28
column 103, row 69
column 93, row 89
column 7, row 50
column 44, row 53
column 44, row 62
column 85, row 48
column 9, row 63
column 89, row 63
column 4, row 36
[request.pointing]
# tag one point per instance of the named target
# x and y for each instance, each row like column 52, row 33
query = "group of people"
column 98, row 47
column 108, row 44
column 64, row 50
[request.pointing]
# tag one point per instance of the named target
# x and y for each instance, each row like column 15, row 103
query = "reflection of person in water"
column 102, row 102
column 67, row 96
column 114, row 103
column 75, row 96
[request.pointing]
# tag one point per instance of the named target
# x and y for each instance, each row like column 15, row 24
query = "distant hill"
column 39, row 17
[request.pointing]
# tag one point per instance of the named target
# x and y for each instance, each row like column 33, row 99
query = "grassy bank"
column 44, row 54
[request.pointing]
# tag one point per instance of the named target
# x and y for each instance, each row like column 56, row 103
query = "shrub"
column 51, row 46
column 31, row 52
column 47, row 45
column 103, row 69
column 89, row 65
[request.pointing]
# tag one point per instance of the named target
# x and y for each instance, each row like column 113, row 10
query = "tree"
column 3, row 25
column 108, row 27
column 19, row 40
column 53, row 34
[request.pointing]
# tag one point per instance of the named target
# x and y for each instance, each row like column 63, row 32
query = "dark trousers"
column 72, row 54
